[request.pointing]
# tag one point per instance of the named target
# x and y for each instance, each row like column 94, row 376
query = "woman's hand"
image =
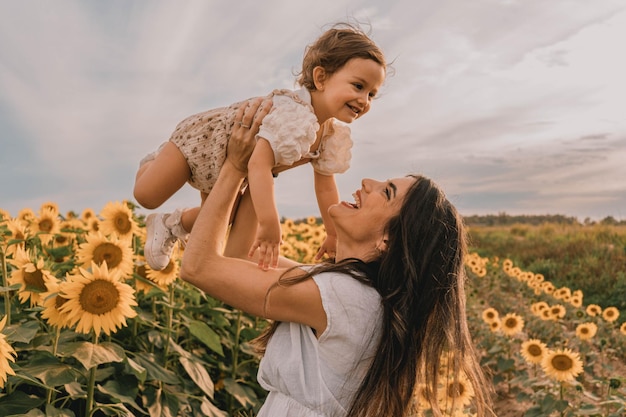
column 329, row 247
column 243, row 134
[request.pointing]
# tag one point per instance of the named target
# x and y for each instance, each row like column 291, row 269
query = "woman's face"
column 374, row 204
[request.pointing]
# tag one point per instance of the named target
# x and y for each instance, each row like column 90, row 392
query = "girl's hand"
column 329, row 247
column 268, row 240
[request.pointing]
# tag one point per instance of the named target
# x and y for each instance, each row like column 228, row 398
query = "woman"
column 354, row 337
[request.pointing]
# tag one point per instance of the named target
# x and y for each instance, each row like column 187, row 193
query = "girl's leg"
column 159, row 179
column 243, row 228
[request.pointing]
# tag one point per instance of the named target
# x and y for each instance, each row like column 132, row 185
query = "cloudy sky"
column 515, row 106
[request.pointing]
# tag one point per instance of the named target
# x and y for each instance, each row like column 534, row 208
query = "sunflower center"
column 562, row 362
column 34, row 280
column 491, row 315
column 455, row 391
column 534, row 350
column 99, row 297
column 59, row 301
column 109, row 253
column 122, row 224
column 45, row 225
column 584, row 330
column 510, row 322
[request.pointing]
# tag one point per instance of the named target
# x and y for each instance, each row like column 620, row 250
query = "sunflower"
column 97, row 300
column 117, row 254
column 46, row 225
column 87, row 215
column 557, row 311
column 548, row 287
column 563, row 293
column 512, row 324
column 17, row 232
column 507, row 264
column 562, row 364
column 4, row 215
column 7, row 353
column 32, row 277
column 52, row 302
column 622, row 328
column 610, row 314
column 534, row 350
column 93, row 225
column 26, row 215
column 117, row 219
column 538, row 307
column 311, row 220
column 495, row 326
column 586, row 331
column 457, row 393
column 490, row 314
column 594, row 310
column 50, row 205
column 576, row 301
column 166, row 276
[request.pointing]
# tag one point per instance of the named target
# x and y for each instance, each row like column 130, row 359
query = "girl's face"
column 348, row 93
column 374, row 205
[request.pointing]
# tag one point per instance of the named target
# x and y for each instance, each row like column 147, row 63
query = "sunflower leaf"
column 199, row 375
column 90, row 355
column 206, row 335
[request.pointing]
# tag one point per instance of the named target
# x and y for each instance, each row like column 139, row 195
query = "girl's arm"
column 261, row 182
column 237, row 282
column 327, row 195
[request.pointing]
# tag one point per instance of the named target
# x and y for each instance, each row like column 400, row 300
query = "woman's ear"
column 319, row 78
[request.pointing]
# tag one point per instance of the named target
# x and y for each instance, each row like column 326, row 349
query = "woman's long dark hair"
column 420, row 278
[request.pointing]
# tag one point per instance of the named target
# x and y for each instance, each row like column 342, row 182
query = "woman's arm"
column 237, row 282
column 327, row 195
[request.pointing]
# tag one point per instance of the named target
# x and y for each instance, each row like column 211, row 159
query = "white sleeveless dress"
column 311, row 377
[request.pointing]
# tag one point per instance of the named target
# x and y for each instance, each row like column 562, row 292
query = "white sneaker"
column 159, row 242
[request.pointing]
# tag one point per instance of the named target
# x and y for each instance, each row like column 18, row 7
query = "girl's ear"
column 319, row 78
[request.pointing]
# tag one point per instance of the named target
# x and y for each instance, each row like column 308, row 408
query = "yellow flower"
column 586, row 331
column 547, row 287
column 166, row 276
column 4, row 215
column 557, row 311
column 534, row 350
column 97, row 300
column 87, row 215
column 495, row 326
column 117, row 254
column 311, row 220
column 26, row 215
column 490, row 314
column 538, row 307
column 562, row 364
column 117, row 218
column 50, row 206
column 610, row 314
column 459, row 394
column 622, row 328
column 594, row 310
column 17, row 231
column 32, row 277
column 562, row 293
column 7, row 353
column 52, row 302
column 546, row 314
column 512, row 324
column 576, row 301
column 47, row 224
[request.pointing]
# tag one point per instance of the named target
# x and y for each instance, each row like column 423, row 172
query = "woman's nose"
column 367, row 184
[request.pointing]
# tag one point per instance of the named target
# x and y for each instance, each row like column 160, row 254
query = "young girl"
column 341, row 74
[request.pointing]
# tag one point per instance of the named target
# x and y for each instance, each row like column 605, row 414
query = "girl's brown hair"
column 334, row 49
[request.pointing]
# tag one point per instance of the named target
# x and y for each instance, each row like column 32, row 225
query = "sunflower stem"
column 7, row 298
column 91, row 384
column 170, row 319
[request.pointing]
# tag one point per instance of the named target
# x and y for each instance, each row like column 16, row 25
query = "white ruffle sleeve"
column 290, row 128
column 335, row 150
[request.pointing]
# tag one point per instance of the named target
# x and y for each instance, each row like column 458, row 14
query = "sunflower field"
column 88, row 329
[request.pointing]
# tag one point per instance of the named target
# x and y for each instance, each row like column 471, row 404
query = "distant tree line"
column 503, row 219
